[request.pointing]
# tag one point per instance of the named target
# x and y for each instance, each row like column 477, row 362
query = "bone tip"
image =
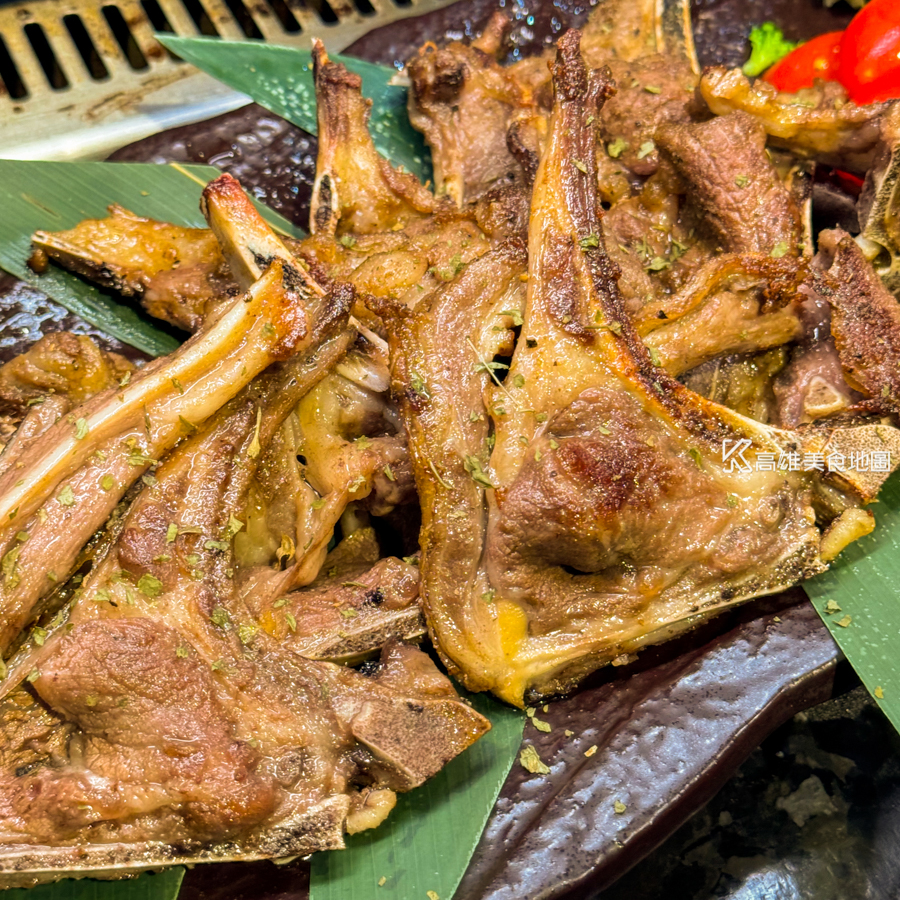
column 224, row 184
column 224, row 192
column 319, row 55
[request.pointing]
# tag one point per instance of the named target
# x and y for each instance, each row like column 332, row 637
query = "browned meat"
column 729, row 322
column 812, row 386
column 196, row 719
column 735, row 304
column 865, row 323
column 38, row 387
column 407, row 264
column 68, row 365
column 178, row 747
column 731, row 181
column 112, row 439
column 817, row 123
column 623, row 29
column 502, row 213
column 393, row 484
column 604, row 517
column 178, row 273
column 169, row 738
column 350, row 610
column 33, row 736
column 650, row 92
column 356, row 190
column 464, row 102
column 577, row 500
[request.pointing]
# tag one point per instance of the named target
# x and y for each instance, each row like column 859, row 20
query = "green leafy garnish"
column 474, row 468
column 617, row 147
column 768, row 47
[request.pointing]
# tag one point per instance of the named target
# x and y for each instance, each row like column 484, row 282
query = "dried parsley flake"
column 529, row 760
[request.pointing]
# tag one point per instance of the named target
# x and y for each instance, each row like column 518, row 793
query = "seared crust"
column 865, row 323
column 817, row 123
column 355, row 190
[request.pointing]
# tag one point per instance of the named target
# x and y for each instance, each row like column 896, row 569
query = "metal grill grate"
column 79, row 78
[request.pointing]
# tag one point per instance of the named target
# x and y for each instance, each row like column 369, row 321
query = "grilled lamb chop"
column 179, row 675
column 729, row 178
column 816, row 123
column 605, row 517
column 355, row 190
column 178, row 273
column 358, row 604
column 735, row 304
column 62, row 364
column 114, row 438
column 51, row 504
column 464, row 102
column 194, row 720
column 865, row 323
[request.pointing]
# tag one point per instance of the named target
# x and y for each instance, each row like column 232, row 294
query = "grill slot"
column 325, row 11
column 124, row 38
column 37, row 37
column 201, row 18
column 85, row 47
column 156, row 17
column 244, row 19
column 12, row 80
column 288, row 20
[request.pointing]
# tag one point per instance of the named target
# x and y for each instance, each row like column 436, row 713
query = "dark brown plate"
column 668, row 730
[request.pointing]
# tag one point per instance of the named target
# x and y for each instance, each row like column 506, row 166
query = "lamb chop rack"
column 356, row 190
column 304, row 502
column 169, row 680
column 578, row 499
column 558, row 543
column 656, row 144
column 112, row 439
column 181, row 701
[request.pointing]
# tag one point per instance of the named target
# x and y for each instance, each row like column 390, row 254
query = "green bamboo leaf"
column 859, row 601
column 427, row 841
column 164, row 886
column 280, row 79
column 57, row 195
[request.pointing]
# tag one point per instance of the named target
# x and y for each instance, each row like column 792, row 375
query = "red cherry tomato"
column 869, row 64
column 817, row 58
